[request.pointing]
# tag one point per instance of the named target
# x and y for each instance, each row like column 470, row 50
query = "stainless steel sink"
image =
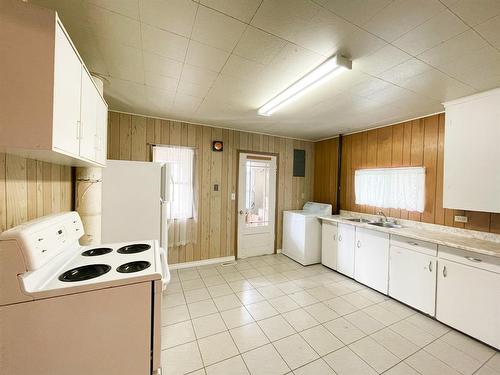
column 358, row 220
column 385, row 224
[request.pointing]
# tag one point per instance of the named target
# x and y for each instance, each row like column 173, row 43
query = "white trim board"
column 199, row 263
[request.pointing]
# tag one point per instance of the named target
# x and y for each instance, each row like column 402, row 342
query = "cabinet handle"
column 444, row 271
column 81, row 129
column 430, row 266
column 358, row 244
column 413, row 243
column 334, row 237
column 340, row 238
column 472, row 259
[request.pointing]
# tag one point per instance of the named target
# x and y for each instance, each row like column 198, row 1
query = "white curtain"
column 180, row 191
column 402, row 188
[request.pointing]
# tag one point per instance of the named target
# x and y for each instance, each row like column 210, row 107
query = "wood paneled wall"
column 414, row 143
column 325, row 171
column 30, row 189
column 129, row 137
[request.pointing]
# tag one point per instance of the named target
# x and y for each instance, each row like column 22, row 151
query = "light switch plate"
column 233, row 196
column 461, row 219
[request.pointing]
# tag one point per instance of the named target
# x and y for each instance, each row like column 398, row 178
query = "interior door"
column 256, row 204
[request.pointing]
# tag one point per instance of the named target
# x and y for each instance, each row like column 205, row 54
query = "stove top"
column 134, row 248
column 136, row 266
column 97, row 251
column 87, row 272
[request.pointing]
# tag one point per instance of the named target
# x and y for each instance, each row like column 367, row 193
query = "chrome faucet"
column 380, row 212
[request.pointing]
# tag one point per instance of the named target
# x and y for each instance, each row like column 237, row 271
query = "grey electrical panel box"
column 299, row 163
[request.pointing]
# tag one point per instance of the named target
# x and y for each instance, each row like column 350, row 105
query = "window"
column 400, row 188
column 180, row 179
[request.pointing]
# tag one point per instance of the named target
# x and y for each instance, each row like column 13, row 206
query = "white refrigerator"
column 135, row 200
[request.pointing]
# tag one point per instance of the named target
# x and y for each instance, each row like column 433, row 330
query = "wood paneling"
column 415, row 143
column 214, row 225
column 30, row 189
column 325, row 171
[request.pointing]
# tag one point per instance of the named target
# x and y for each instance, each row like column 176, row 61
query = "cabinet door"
column 88, row 119
column 345, row 249
column 372, row 259
column 102, row 131
column 468, row 300
column 329, row 245
column 412, row 278
column 67, row 87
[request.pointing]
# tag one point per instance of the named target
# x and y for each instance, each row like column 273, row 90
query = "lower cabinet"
column 372, row 259
column 412, row 278
column 468, row 294
column 345, row 249
column 329, row 245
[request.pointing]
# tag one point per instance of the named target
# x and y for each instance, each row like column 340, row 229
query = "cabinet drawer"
column 470, row 258
column 424, row 247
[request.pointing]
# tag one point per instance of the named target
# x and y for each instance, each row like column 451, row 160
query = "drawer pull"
column 340, row 238
column 444, row 271
column 413, row 243
column 334, row 237
column 472, row 259
column 358, row 244
column 430, row 266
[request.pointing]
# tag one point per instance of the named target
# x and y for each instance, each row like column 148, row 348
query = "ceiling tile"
column 451, row 50
column 476, row 11
column 164, row 43
column 382, row 60
column 192, row 89
column 122, row 61
column 129, row 8
column 161, row 82
column 176, row 16
column 369, row 86
column 216, row 29
column 285, row 18
column 404, row 71
column 437, row 85
column 162, row 65
column 200, row 76
column 491, row 31
column 207, row 57
column 259, row 46
column 401, row 16
column 240, row 9
column 123, row 95
column 242, row 68
column 356, row 11
column 113, row 26
column 161, row 100
column 438, row 29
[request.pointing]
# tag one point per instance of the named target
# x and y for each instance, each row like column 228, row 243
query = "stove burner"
column 84, row 272
column 97, row 251
column 133, row 266
column 134, row 248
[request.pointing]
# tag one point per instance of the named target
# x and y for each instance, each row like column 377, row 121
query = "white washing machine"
column 302, row 232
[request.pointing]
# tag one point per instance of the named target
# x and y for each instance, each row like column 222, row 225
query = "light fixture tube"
column 328, row 69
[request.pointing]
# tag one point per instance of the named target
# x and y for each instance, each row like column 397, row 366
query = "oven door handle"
column 165, row 278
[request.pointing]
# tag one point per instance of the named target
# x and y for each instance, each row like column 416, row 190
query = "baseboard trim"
column 199, row 263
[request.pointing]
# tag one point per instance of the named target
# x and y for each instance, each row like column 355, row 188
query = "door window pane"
column 257, row 193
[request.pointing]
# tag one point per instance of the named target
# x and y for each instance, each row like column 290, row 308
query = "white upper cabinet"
column 471, row 153
column 67, row 95
column 51, row 108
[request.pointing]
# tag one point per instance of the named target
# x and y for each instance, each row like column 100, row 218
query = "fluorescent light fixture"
column 327, row 70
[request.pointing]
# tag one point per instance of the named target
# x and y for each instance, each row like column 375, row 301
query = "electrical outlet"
column 461, row 219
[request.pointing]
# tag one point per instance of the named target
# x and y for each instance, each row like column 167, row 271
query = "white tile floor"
column 269, row 315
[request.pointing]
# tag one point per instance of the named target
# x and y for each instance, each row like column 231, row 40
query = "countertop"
column 458, row 241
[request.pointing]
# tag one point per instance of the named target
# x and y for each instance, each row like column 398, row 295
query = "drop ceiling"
column 217, row 61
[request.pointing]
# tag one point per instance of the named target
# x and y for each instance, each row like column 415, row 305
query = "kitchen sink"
column 385, row 224
column 358, row 220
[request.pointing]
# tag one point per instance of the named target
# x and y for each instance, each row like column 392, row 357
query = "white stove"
column 105, row 299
